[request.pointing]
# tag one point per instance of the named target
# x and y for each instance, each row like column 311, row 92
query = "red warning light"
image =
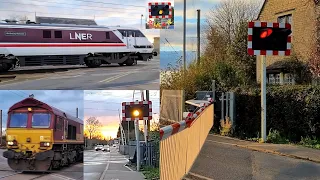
column 266, row 33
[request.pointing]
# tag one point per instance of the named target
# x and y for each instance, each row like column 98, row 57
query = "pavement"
column 73, row 172
column 100, row 165
column 228, row 158
column 144, row 75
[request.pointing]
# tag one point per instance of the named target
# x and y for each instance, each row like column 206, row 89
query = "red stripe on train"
column 62, row 45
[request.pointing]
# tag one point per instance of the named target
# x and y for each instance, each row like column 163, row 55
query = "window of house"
column 107, row 35
column 46, row 34
column 285, row 19
column 277, row 78
column 57, row 34
column 288, row 78
column 271, row 79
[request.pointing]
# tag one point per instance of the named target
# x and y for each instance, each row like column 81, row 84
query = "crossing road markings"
column 115, row 77
column 62, row 177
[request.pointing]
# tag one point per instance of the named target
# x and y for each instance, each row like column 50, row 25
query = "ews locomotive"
column 41, row 137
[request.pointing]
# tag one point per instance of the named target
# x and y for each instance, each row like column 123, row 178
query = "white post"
column 263, row 99
column 137, row 144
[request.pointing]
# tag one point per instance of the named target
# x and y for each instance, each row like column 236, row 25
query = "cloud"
column 65, row 100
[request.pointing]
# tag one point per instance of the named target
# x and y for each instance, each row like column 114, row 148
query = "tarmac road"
column 100, row 165
column 144, row 75
column 73, row 172
column 223, row 161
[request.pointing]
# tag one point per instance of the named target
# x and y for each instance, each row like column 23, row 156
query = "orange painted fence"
column 179, row 150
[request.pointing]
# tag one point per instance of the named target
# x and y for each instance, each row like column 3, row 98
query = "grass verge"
column 151, row 173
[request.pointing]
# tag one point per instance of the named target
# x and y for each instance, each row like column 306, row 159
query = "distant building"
column 55, row 20
column 302, row 15
column 156, row 44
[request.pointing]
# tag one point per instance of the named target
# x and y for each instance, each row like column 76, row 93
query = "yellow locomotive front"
column 29, row 139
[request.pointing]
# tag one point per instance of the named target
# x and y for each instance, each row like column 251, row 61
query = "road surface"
column 100, row 165
column 223, row 161
column 73, row 172
column 143, row 76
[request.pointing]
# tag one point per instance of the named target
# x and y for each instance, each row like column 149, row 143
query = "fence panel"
column 179, row 151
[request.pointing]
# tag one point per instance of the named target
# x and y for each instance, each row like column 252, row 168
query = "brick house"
column 302, row 15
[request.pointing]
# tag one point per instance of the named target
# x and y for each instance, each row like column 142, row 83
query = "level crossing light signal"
column 139, row 110
column 269, row 38
column 160, row 10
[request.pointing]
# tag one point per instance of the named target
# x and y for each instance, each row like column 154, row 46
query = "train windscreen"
column 40, row 120
column 18, row 120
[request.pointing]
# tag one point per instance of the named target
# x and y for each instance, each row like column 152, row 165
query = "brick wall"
column 303, row 25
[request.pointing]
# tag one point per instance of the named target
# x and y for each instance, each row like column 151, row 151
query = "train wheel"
column 121, row 64
column 4, row 67
column 130, row 62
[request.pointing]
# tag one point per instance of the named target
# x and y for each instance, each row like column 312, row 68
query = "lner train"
column 41, row 137
column 50, row 44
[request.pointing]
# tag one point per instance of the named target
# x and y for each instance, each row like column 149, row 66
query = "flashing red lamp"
column 265, row 33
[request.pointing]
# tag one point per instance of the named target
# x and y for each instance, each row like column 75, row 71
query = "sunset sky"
column 105, row 105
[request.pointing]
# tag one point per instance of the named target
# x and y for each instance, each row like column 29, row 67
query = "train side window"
column 59, row 123
column 107, row 35
column 46, row 34
column 58, row 34
column 130, row 34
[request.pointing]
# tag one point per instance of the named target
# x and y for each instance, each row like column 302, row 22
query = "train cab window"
column 40, row 120
column 130, row 34
column 138, row 33
column 18, row 120
column 57, row 34
column 107, row 35
column 46, row 34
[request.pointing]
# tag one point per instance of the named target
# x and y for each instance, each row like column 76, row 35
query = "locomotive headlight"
column 10, row 143
column 44, row 144
column 29, row 109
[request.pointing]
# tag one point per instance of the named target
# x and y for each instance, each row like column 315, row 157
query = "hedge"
column 292, row 110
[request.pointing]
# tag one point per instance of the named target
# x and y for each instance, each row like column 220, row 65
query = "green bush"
column 293, row 111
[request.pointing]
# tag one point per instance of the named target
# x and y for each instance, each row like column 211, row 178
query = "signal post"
column 136, row 111
column 273, row 39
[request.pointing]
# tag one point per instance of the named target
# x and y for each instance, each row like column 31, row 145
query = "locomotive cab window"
column 40, row 120
column 18, row 120
column 58, row 34
column 46, row 34
column 107, row 35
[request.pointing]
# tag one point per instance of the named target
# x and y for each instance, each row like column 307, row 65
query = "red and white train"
column 39, row 43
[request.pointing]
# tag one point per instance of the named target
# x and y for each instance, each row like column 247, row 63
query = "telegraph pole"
column 198, row 35
column 147, row 99
column 184, row 33
column 0, row 127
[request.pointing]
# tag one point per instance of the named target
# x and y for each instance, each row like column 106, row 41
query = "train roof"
column 31, row 102
column 56, row 25
column 70, row 25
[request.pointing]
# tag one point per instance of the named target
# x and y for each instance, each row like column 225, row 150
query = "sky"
column 106, row 104
column 109, row 13
column 65, row 100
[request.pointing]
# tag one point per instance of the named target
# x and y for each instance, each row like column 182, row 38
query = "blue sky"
column 105, row 106
column 65, row 100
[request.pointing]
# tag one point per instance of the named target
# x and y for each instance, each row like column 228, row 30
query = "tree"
column 314, row 61
column 92, row 126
